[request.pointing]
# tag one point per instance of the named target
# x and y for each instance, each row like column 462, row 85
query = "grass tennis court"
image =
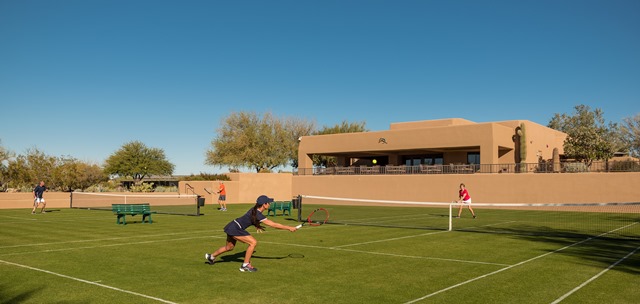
column 82, row 256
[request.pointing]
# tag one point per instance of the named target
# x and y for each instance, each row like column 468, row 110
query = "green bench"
column 284, row 206
column 122, row 210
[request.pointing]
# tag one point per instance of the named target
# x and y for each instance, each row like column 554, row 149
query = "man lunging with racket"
column 236, row 231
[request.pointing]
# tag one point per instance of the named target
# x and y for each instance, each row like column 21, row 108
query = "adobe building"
column 452, row 142
column 427, row 160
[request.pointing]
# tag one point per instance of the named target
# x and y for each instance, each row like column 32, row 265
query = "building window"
column 429, row 159
column 473, row 158
column 434, row 159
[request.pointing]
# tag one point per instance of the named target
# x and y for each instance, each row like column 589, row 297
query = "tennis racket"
column 316, row 218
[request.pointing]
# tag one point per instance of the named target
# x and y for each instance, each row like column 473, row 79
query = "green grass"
column 82, row 256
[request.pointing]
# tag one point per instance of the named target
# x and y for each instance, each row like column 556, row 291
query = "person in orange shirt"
column 222, row 199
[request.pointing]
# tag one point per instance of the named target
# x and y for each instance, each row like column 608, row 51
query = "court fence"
column 540, row 167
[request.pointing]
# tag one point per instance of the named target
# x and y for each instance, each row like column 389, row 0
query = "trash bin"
column 200, row 201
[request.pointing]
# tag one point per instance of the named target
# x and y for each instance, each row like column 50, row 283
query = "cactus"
column 522, row 135
column 556, row 160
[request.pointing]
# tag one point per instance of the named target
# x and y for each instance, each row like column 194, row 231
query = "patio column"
column 305, row 162
column 394, row 159
column 488, row 156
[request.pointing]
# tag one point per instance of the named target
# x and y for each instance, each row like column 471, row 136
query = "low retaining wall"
column 526, row 188
column 25, row 200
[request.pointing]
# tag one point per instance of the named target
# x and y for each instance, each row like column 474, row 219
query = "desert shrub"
column 144, row 187
column 166, row 189
column 206, row 177
column 575, row 167
column 626, row 166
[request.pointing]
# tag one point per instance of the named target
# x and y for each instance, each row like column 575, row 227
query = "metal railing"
column 541, row 167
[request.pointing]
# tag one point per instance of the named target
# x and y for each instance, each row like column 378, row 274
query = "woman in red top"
column 464, row 199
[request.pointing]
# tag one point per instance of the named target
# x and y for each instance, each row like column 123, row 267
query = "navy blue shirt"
column 245, row 220
column 39, row 190
column 238, row 227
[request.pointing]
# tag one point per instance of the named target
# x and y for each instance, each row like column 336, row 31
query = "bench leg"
column 124, row 219
column 144, row 216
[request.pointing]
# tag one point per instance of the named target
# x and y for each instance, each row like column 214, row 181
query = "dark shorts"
column 233, row 229
column 222, row 197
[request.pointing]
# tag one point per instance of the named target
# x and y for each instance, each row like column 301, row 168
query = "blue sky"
column 82, row 78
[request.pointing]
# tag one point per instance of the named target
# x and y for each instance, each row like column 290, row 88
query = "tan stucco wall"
column 446, row 122
column 244, row 187
column 25, row 200
column 540, row 139
column 484, row 188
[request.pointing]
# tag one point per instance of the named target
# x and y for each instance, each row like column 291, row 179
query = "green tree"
column 136, row 160
column 588, row 137
column 60, row 173
column 71, row 174
column 248, row 140
column 631, row 134
column 296, row 128
column 26, row 170
column 5, row 157
column 343, row 127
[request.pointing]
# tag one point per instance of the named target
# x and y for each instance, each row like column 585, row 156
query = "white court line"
column 88, row 282
column 514, row 265
column 420, row 257
column 111, row 245
column 391, row 239
column 55, row 220
column 341, row 247
column 594, row 277
column 383, row 253
column 107, row 239
column 386, row 218
column 267, row 242
column 18, row 218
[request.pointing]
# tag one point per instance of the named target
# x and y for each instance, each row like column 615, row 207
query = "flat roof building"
column 444, row 144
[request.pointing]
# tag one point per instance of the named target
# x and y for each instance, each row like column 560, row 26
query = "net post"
column 450, row 213
column 71, row 199
column 299, row 208
column 197, row 205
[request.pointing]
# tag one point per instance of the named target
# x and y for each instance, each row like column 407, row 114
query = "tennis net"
column 179, row 204
column 569, row 220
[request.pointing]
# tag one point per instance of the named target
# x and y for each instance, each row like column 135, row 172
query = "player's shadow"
column 9, row 297
column 238, row 257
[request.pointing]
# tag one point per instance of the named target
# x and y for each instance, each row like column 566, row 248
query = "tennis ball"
column 374, row 161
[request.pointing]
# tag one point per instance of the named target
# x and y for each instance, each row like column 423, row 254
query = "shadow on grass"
column 15, row 298
column 590, row 247
column 238, row 257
